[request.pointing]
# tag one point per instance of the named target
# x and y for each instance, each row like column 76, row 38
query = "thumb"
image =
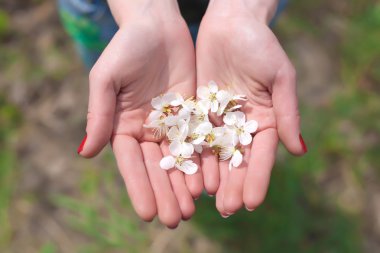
column 286, row 110
column 101, row 110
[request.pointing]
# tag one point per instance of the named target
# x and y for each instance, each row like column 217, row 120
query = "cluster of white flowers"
column 187, row 126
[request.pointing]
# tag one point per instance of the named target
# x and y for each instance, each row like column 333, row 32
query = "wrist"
column 125, row 10
column 262, row 10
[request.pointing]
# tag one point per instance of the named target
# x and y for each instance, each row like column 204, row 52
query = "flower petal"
column 175, row 148
column 171, row 120
column 223, row 96
column 251, row 126
column 183, row 129
column 154, row 115
column 245, row 138
column 168, row 98
column 240, row 118
column 167, row 162
column 235, row 139
column 178, row 100
column 203, row 106
column 188, row 167
column 214, row 105
column 184, row 113
column 229, row 118
column 240, row 97
column 234, row 108
column 226, row 153
column 237, row 159
column 218, row 131
column 198, row 148
column 187, row 149
column 204, row 128
column 213, row 87
column 203, row 92
column 157, row 103
column 199, row 140
column 173, row 133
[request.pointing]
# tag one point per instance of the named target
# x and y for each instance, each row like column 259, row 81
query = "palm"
column 149, row 62
column 245, row 60
column 243, row 55
column 144, row 59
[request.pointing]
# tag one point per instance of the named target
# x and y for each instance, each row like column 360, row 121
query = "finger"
column 210, row 171
column 101, row 110
column 194, row 182
column 130, row 162
column 262, row 158
column 233, row 192
column 177, row 179
column 286, row 110
column 219, row 197
column 169, row 212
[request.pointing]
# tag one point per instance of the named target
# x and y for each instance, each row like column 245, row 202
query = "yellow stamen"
column 210, row 138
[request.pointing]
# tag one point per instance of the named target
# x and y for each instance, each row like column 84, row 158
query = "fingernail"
column 80, row 148
column 225, row 216
column 249, row 210
column 304, row 147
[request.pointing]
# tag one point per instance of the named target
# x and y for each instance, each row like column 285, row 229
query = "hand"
column 152, row 53
column 237, row 49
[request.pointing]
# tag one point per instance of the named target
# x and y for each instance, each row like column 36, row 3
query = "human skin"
column 237, row 49
column 152, row 53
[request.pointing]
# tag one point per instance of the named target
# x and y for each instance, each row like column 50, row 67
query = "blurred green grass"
column 298, row 215
column 106, row 221
column 10, row 119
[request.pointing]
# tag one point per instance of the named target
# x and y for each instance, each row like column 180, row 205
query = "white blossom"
column 188, row 128
column 233, row 153
column 207, row 96
column 178, row 135
column 225, row 99
column 186, row 166
column 242, row 130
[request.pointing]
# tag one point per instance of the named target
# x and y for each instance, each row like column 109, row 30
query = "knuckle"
column 99, row 74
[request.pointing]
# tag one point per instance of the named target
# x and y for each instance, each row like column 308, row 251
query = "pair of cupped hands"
column 153, row 53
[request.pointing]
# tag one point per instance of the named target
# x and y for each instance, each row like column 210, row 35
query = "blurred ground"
column 329, row 201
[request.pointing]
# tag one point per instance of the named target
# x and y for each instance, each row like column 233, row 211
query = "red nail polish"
column 304, row 147
column 80, row 148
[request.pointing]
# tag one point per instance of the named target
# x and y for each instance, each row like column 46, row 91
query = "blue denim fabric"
column 91, row 25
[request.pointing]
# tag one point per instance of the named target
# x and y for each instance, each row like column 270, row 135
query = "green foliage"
column 48, row 248
column 361, row 51
column 105, row 223
column 295, row 217
column 4, row 24
column 9, row 120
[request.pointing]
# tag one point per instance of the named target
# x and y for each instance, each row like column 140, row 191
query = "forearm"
column 263, row 10
column 122, row 10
